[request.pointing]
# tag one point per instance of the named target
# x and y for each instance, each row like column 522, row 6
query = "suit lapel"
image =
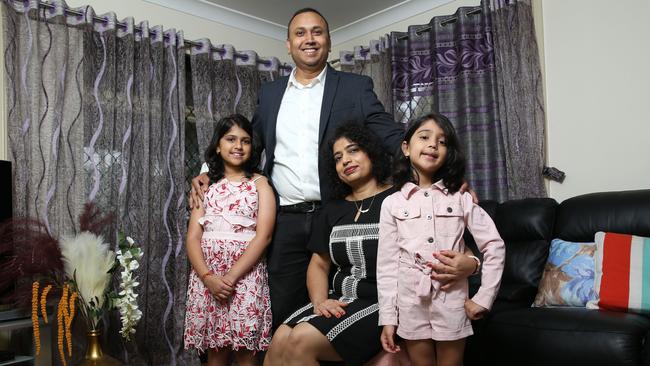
column 274, row 108
column 331, row 83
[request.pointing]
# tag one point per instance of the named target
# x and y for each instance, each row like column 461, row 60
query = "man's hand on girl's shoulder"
column 199, row 187
column 465, row 188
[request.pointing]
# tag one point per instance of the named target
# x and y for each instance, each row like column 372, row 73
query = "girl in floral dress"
column 228, row 307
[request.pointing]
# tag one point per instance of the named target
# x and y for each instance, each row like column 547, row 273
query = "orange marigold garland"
column 37, row 335
column 62, row 310
column 69, row 316
column 46, row 290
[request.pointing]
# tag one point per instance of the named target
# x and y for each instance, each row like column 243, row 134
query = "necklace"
column 360, row 209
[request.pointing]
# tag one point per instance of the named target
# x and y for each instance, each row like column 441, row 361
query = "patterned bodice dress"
column 244, row 321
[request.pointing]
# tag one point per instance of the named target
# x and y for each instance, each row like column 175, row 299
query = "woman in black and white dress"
column 341, row 322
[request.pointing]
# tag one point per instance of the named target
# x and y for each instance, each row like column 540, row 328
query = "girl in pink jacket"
column 428, row 214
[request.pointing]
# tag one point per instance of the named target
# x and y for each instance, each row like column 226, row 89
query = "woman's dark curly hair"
column 452, row 171
column 214, row 161
column 369, row 143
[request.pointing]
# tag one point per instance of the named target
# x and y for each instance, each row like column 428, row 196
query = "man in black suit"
column 295, row 116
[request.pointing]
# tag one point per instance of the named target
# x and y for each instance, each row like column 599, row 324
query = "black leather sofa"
column 516, row 334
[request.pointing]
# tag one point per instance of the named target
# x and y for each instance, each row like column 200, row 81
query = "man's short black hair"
column 308, row 10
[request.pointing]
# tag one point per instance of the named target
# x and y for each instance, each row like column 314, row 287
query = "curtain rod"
column 241, row 56
column 444, row 22
column 362, row 51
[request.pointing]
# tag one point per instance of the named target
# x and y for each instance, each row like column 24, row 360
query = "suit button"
column 449, row 209
column 426, row 194
column 430, row 240
column 406, row 213
column 429, row 217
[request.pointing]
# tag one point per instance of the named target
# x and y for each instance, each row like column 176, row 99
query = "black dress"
column 352, row 247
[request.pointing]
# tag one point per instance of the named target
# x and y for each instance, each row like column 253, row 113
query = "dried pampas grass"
column 87, row 260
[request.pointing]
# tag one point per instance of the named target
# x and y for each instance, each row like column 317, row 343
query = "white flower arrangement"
column 128, row 255
column 89, row 265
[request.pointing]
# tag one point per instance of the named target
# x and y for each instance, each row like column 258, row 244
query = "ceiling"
column 347, row 19
column 280, row 11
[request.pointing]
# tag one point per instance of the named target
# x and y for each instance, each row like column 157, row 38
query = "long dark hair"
column 452, row 171
column 369, row 143
column 214, row 161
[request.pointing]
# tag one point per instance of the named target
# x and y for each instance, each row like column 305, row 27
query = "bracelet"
column 208, row 273
column 478, row 264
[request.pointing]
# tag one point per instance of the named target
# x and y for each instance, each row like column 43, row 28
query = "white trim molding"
column 230, row 17
column 383, row 18
column 250, row 23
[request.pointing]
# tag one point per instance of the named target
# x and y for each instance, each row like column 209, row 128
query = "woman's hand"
column 388, row 339
column 219, row 286
column 453, row 266
column 199, row 187
column 330, row 307
column 473, row 310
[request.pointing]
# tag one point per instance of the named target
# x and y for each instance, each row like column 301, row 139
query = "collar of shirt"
column 409, row 188
column 296, row 84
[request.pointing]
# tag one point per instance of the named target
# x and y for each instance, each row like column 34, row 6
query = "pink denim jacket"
column 416, row 222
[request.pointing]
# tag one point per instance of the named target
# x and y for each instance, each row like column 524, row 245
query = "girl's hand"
column 199, row 187
column 220, row 287
column 330, row 307
column 453, row 267
column 388, row 339
column 473, row 310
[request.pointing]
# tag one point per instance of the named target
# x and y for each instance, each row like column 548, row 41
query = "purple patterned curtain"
column 448, row 66
column 412, row 75
column 226, row 81
column 95, row 112
column 468, row 66
column 465, row 91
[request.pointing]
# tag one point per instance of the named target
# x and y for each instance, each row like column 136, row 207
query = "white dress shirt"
column 295, row 169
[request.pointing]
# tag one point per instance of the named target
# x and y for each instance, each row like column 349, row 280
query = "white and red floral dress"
column 244, row 322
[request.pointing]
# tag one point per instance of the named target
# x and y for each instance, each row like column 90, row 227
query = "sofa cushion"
column 526, row 227
column 622, row 272
column 526, row 219
column 564, row 336
column 579, row 218
column 568, row 278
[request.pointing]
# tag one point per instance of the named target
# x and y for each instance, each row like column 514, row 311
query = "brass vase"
column 94, row 354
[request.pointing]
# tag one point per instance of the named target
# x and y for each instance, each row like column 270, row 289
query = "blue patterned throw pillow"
column 568, row 278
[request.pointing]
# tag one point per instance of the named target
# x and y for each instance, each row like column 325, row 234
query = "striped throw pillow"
column 622, row 273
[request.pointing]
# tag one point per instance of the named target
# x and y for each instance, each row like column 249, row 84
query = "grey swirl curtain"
column 373, row 61
column 520, row 95
column 480, row 68
column 225, row 81
column 95, row 114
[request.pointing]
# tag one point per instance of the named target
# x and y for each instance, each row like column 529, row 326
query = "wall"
column 193, row 28
column 597, row 92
